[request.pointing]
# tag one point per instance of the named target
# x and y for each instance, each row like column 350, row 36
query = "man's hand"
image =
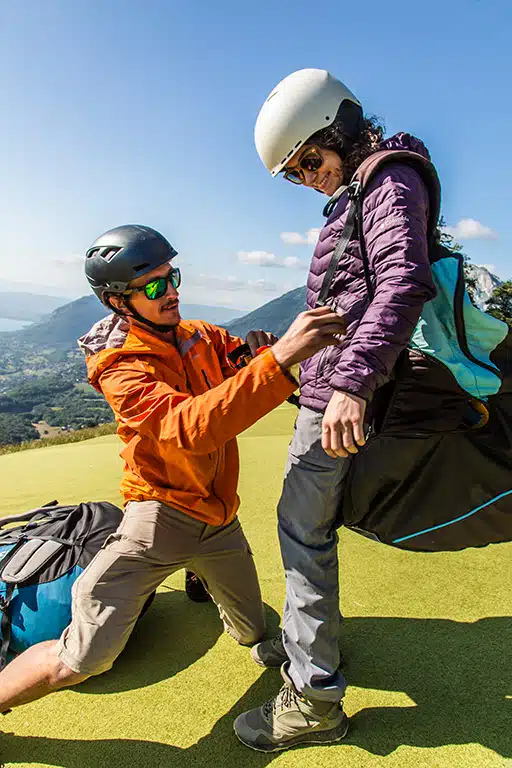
column 342, row 425
column 310, row 331
column 257, row 339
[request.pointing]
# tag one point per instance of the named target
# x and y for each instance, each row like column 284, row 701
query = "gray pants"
column 306, row 523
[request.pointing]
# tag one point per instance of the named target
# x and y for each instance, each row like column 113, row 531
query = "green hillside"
column 275, row 316
column 67, row 323
column 42, row 371
column 426, row 642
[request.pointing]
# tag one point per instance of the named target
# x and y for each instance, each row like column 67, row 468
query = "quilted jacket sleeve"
column 395, row 213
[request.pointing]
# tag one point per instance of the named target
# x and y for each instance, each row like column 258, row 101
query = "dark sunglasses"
column 157, row 288
column 311, row 161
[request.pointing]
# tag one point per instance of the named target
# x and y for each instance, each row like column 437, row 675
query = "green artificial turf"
column 426, row 641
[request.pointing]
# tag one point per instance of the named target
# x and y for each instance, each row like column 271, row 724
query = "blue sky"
column 128, row 111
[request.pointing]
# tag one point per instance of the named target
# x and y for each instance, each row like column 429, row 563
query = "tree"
column 16, row 428
column 500, row 303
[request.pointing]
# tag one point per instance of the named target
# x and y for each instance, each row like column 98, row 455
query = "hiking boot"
column 270, row 653
column 291, row 719
column 195, row 588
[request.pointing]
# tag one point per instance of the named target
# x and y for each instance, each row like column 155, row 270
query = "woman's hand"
column 342, row 425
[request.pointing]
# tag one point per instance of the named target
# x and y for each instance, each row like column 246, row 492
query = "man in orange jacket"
column 179, row 404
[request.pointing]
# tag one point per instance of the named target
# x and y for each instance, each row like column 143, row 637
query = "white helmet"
column 300, row 105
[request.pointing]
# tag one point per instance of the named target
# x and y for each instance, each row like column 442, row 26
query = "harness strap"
column 5, row 624
column 341, row 245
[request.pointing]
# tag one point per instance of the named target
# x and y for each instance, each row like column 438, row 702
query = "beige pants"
column 152, row 542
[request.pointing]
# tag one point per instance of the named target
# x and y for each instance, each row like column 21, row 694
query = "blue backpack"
column 40, row 559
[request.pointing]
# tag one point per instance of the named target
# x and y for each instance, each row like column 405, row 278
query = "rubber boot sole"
column 310, row 737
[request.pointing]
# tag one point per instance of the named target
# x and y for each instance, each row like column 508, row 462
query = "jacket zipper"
column 207, row 380
column 322, row 363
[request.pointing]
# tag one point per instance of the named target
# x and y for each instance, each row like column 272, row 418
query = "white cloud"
column 260, row 258
column 265, row 259
column 292, row 238
column 295, row 238
column 230, row 291
column 292, row 262
column 230, row 283
column 70, row 260
column 312, row 235
column 471, row 229
column 262, row 286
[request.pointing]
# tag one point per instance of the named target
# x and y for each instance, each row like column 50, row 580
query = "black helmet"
column 123, row 254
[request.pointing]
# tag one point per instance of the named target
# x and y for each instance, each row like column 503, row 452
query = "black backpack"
column 436, row 471
column 40, row 559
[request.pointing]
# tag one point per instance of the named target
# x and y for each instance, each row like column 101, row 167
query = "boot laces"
column 277, row 642
column 285, row 699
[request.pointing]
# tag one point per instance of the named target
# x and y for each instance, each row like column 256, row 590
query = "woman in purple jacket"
column 312, row 130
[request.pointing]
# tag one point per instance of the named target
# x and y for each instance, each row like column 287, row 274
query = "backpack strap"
column 356, row 190
column 38, row 513
column 27, row 559
column 341, row 245
column 423, row 167
column 5, row 624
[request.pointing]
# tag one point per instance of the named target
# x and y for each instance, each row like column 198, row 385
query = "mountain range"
column 485, row 283
column 66, row 323
column 21, row 305
column 277, row 315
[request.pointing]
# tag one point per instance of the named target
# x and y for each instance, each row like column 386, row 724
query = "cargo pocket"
column 124, row 545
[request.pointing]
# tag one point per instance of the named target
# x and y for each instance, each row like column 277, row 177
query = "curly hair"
column 352, row 153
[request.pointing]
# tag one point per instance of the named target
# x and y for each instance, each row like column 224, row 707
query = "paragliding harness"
column 40, row 559
column 436, row 471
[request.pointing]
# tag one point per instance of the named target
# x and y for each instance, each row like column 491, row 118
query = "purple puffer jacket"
column 395, row 212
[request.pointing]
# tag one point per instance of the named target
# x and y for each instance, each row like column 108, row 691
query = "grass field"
column 427, row 643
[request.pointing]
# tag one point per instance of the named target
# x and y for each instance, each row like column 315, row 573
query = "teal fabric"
column 436, row 334
column 41, row 611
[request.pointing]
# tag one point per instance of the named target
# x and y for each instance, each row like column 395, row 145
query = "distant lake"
column 12, row 325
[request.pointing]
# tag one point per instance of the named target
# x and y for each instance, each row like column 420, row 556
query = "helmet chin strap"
column 161, row 328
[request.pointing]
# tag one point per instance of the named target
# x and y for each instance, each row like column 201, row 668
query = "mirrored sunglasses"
column 310, row 161
column 157, row 288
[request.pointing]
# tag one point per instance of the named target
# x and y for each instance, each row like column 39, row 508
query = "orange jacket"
column 179, row 408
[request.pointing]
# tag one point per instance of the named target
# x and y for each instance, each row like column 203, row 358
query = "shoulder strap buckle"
column 354, row 189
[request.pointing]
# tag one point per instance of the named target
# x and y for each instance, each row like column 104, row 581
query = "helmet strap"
column 161, row 328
